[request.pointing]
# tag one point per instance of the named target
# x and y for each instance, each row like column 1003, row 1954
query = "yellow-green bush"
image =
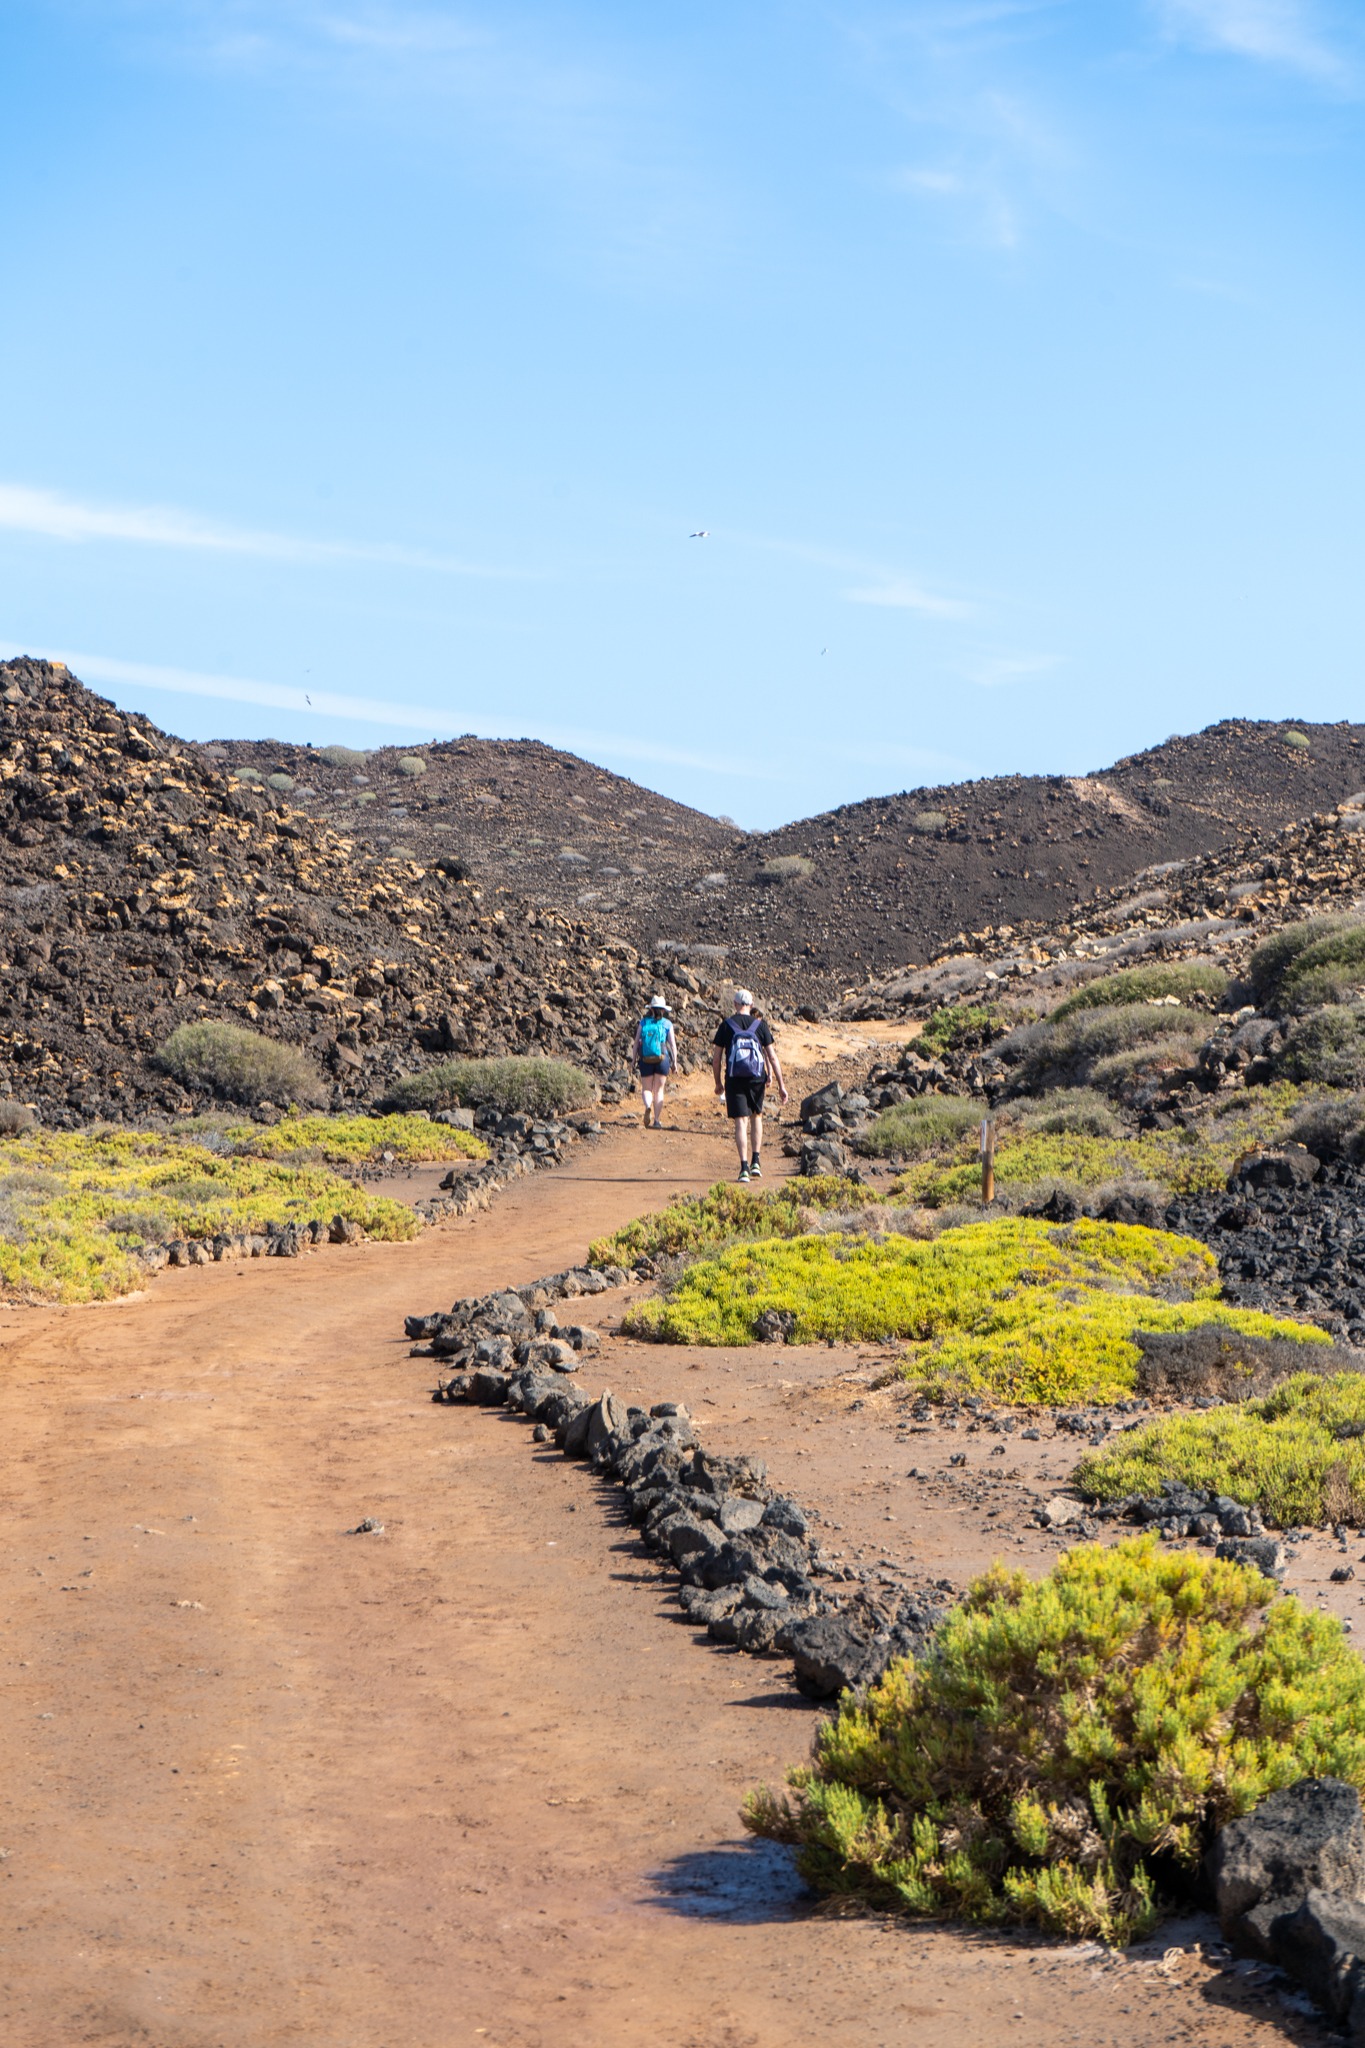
column 1039, row 1158
column 1062, row 1732
column 77, row 1206
column 1298, row 1454
column 1027, row 1311
column 337, row 1140
column 693, row 1223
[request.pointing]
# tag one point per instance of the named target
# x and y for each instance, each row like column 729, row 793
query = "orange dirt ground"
column 468, row 1781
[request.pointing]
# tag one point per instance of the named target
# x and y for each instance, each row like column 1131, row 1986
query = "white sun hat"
column 658, row 1003
column 743, row 998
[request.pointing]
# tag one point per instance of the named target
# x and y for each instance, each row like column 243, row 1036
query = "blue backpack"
column 653, row 1037
column 746, row 1061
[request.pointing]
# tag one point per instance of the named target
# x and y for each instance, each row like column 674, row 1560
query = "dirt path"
column 465, row 1781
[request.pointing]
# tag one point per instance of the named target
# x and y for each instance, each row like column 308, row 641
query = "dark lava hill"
column 891, row 879
column 486, row 896
column 141, row 887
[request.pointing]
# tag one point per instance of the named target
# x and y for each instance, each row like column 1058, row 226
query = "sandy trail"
column 268, row 1781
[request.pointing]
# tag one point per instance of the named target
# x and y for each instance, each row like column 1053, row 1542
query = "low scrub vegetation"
column 1101, row 1045
column 240, row 1065
column 926, row 1124
column 786, row 867
column 726, row 1214
column 1327, row 1046
column 1145, row 985
column 1023, row 1310
column 949, row 1026
column 1319, row 951
column 75, row 1207
column 412, row 765
column 1072, row 1139
column 333, row 1140
column 534, row 1086
column 343, row 757
column 1298, row 1455
column 1062, row 1733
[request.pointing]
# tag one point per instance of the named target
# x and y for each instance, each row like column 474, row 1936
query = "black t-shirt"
column 751, row 1026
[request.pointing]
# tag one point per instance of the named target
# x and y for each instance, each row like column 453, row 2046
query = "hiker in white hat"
column 655, row 1053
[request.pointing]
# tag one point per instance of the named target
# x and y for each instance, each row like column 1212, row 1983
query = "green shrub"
column 1061, row 1733
column 786, row 867
column 927, row 1123
column 366, row 796
column 948, row 1027
column 1299, row 948
column 1145, row 985
column 281, row 781
column 1170, row 1052
column 1028, row 1311
column 342, row 757
column 1297, row 1455
column 535, row 1086
column 929, row 821
column 239, row 1064
column 1328, row 1047
column 1333, row 1126
column 1292, row 738
column 1069, row 1050
column 1078, row 1112
column 15, row 1116
column 411, row 764
column 247, row 774
column 84, row 1202
column 725, row 1214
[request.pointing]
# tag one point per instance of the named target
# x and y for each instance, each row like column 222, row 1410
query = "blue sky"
column 1008, row 354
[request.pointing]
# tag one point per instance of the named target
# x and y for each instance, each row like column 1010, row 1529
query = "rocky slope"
column 141, row 887
column 887, row 882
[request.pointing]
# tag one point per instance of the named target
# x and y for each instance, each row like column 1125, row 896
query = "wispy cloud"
column 904, row 595
column 578, row 116
column 324, row 706
column 1283, row 32
column 24, row 510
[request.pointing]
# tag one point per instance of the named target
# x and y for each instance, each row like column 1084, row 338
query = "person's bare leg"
column 755, row 1136
column 741, row 1131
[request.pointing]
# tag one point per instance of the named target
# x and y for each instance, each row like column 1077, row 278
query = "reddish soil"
column 467, row 1780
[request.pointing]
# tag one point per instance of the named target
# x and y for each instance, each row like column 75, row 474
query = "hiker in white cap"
column 655, row 1053
column 743, row 1047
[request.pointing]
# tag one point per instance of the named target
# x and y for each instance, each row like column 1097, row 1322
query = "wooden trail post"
column 987, row 1161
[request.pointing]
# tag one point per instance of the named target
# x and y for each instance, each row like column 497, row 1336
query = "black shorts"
column 744, row 1097
column 653, row 1067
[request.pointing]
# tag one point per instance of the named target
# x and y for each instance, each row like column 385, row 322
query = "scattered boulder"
column 1311, row 1836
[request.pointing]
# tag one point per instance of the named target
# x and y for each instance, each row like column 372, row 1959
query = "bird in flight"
column 306, row 698
column 703, row 535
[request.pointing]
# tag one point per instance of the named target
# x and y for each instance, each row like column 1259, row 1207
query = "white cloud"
column 329, row 706
column 1270, row 31
column 903, row 595
column 23, row 510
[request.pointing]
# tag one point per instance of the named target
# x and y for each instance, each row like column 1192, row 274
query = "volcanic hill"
column 822, row 904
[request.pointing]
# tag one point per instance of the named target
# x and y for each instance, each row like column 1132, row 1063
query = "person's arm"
column 717, row 1054
column 673, row 1055
column 775, row 1069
